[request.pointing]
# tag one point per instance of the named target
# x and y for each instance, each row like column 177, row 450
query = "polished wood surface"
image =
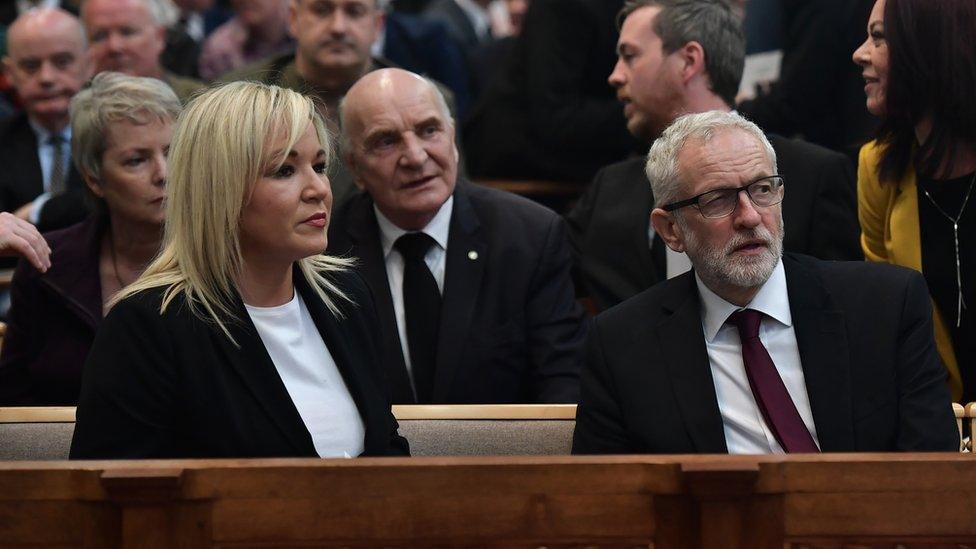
column 860, row 500
column 39, row 414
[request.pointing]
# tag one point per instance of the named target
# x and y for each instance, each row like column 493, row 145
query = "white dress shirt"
column 436, row 259
column 745, row 428
column 45, row 154
column 311, row 377
column 194, row 26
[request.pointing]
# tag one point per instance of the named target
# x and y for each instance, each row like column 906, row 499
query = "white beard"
column 724, row 268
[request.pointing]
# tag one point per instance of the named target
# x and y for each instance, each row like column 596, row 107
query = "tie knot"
column 747, row 321
column 414, row 246
column 56, row 139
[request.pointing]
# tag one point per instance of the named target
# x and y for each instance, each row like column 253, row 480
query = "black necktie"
column 422, row 305
column 56, row 181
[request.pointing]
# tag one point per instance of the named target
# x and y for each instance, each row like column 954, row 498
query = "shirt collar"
column 43, row 135
column 438, row 228
column 772, row 300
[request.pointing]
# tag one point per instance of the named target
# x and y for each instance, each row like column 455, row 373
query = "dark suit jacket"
column 172, row 385
column 608, row 226
column 52, row 321
column 511, row 331
column 459, row 26
column 864, row 332
column 551, row 114
column 21, row 179
column 820, row 92
column 424, row 47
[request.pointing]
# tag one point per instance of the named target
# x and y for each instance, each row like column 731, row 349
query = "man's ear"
column 350, row 161
column 292, row 18
column 692, row 57
column 666, row 226
column 7, row 67
column 380, row 24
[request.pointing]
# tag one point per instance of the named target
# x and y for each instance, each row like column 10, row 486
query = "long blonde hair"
column 223, row 142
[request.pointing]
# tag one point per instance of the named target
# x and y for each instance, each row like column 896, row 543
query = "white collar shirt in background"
column 746, row 431
column 45, row 154
column 193, row 25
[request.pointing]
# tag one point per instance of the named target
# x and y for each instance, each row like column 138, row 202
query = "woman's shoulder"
column 349, row 280
column 147, row 306
column 871, row 153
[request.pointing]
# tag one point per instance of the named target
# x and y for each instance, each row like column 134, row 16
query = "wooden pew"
column 853, row 500
column 433, row 430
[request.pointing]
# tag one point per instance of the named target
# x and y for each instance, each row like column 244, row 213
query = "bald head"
column 46, row 63
column 381, row 85
column 43, row 23
column 398, row 141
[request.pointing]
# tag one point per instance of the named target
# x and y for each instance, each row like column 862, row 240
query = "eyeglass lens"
column 721, row 202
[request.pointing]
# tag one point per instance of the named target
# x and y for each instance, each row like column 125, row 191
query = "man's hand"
column 20, row 238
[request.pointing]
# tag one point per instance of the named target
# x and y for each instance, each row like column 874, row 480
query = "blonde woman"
column 241, row 339
column 120, row 133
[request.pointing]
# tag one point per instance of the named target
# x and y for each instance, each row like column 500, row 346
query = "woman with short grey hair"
column 120, row 132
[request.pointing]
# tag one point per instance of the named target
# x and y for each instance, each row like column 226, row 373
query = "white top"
column 746, row 431
column 45, row 154
column 311, row 377
column 436, row 259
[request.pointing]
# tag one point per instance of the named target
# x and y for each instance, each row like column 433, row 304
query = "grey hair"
column 662, row 160
column 714, row 24
column 161, row 14
column 111, row 97
column 439, row 99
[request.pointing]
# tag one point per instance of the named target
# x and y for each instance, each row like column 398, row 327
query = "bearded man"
column 753, row 351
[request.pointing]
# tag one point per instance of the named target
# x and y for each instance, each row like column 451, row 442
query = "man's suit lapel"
column 467, row 251
column 364, row 234
column 821, row 336
column 253, row 364
column 636, row 197
column 682, row 345
column 24, row 164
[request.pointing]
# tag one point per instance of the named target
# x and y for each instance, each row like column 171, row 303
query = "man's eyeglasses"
column 765, row 191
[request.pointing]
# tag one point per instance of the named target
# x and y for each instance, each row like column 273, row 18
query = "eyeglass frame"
column 693, row 201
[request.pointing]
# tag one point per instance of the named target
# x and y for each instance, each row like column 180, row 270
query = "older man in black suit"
column 46, row 64
column 472, row 285
column 755, row 352
column 685, row 56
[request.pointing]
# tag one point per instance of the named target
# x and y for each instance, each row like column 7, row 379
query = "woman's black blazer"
column 174, row 386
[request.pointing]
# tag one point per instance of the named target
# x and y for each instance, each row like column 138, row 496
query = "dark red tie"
column 767, row 386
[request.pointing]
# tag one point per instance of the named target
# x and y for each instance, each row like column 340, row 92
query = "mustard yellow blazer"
column 890, row 234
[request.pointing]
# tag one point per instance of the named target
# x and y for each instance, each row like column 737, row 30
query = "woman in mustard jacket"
column 916, row 180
